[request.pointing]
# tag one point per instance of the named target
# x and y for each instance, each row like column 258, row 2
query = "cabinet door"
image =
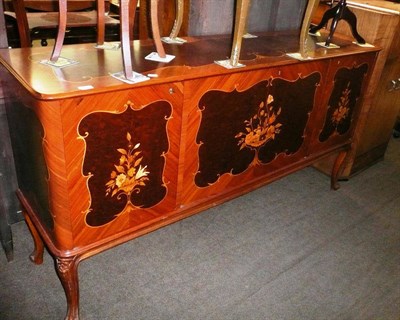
column 345, row 82
column 245, row 127
column 110, row 161
column 384, row 110
column 129, row 149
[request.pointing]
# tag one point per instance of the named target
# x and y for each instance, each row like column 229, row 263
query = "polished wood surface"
column 105, row 161
column 196, row 59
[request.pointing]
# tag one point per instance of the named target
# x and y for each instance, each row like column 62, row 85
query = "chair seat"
column 74, row 19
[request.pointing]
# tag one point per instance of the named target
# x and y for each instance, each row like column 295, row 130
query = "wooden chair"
column 44, row 22
column 127, row 9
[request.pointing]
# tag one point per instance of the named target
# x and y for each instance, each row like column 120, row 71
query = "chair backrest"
column 23, row 26
column 52, row 5
column 20, row 8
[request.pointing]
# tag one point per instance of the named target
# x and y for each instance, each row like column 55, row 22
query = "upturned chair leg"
column 101, row 27
column 62, row 26
column 309, row 13
column 178, row 19
column 242, row 10
column 125, row 36
column 156, row 28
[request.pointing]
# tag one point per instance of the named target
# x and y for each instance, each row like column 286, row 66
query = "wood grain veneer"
column 102, row 162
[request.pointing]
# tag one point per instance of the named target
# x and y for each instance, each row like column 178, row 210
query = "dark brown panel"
column 125, row 160
column 342, row 102
column 254, row 126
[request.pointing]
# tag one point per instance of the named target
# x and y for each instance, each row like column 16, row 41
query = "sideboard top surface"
column 92, row 73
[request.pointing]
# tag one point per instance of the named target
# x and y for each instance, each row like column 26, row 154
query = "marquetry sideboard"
column 100, row 161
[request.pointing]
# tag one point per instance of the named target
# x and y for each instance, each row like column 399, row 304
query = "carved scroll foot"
column 67, row 270
column 337, row 166
column 37, row 255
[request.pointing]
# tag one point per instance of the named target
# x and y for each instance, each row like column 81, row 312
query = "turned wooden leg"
column 37, row 255
column 67, row 270
column 336, row 169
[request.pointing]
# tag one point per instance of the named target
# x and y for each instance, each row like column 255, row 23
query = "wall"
column 209, row 17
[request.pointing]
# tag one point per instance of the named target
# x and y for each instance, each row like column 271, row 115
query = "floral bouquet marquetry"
column 261, row 128
column 129, row 175
column 342, row 111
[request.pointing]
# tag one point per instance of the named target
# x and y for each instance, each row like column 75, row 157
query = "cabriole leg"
column 37, row 255
column 336, row 169
column 67, row 270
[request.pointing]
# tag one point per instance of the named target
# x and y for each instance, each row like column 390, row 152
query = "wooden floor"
column 291, row 250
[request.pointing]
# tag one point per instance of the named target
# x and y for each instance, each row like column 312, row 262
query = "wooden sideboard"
column 378, row 23
column 101, row 162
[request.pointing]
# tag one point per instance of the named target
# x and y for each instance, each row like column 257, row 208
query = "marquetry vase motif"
column 129, row 175
column 125, row 160
column 260, row 128
column 343, row 109
column 243, row 129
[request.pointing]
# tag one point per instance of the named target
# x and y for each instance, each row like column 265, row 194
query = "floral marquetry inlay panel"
column 342, row 102
column 242, row 129
column 124, row 160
